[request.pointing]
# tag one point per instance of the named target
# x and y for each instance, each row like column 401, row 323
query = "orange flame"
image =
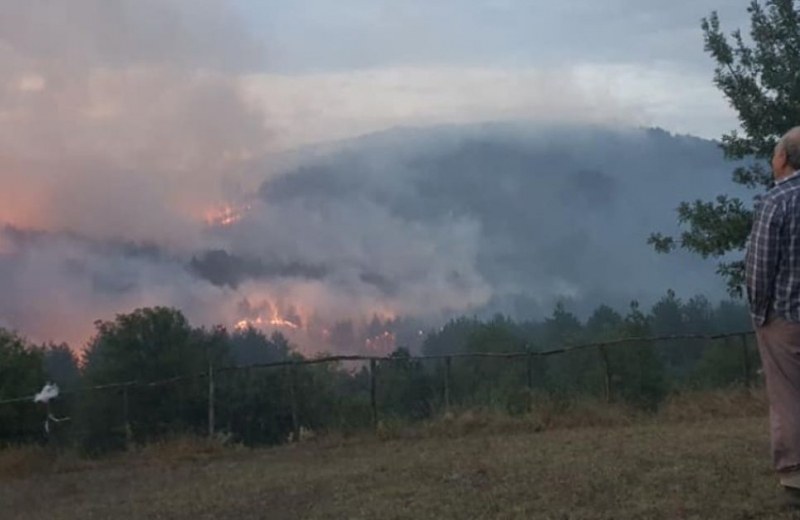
column 261, row 322
column 225, row 216
column 372, row 330
column 275, row 320
column 382, row 342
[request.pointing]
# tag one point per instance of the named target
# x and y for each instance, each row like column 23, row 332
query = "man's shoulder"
column 781, row 193
column 786, row 189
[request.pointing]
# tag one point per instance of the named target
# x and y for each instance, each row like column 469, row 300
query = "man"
column 773, row 292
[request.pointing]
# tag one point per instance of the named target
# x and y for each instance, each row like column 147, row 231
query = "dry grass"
column 718, row 404
column 31, row 461
column 546, row 415
column 181, row 449
column 28, row 461
column 554, row 414
column 707, row 462
column 24, row 461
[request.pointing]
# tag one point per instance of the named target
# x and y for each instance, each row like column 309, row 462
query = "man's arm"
column 763, row 254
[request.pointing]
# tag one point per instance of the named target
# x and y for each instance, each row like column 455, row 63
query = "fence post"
column 47, row 416
column 126, row 415
column 210, row 398
column 530, row 381
column 607, row 365
column 372, row 392
column 447, row 361
column 746, row 360
column 293, row 397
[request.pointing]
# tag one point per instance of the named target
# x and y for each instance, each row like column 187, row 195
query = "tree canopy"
column 759, row 75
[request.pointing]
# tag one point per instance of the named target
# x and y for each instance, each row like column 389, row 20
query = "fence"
column 291, row 368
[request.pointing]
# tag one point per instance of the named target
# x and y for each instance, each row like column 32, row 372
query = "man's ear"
column 781, row 158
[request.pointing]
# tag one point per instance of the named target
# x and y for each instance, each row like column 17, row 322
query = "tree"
column 699, row 315
column 604, row 324
column 569, row 373
column 404, row 389
column 21, row 374
column 145, row 346
column 252, row 347
column 21, row 371
column 761, row 81
column 61, row 365
column 452, row 338
column 637, row 372
column 667, row 316
column 486, row 381
column 731, row 316
column 562, row 328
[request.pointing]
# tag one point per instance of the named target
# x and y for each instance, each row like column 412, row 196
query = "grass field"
column 671, row 468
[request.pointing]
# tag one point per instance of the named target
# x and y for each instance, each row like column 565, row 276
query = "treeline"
column 639, row 373
column 261, row 405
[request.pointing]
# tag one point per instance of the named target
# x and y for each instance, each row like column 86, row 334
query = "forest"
column 164, row 362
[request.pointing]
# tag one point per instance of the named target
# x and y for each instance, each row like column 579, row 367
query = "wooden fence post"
column 126, row 415
column 447, row 384
column 294, row 404
column 530, row 372
column 746, row 361
column 607, row 365
column 47, row 416
column 373, row 392
column 210, row 399
column 530, row 381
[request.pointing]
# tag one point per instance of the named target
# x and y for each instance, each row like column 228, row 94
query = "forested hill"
column 523, row 215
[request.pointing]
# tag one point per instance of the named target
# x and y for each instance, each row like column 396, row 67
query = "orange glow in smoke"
column 363, row 331
column 259, row 322
column 275, row 319
column 224, row 216
column 382, row 343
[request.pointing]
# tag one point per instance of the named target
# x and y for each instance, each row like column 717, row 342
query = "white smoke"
column 125, row 125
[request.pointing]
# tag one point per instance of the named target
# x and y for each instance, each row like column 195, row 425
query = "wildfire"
column 375, row 331
column 225, row 216
column 383, row 342
column 291, row 321
column 259, row 322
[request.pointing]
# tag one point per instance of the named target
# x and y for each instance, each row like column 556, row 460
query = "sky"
column 143, row 121
column 373, row 63
column 318, row 36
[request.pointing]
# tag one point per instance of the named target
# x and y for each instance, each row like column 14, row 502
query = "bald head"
column 790, row 143
column 786, row 159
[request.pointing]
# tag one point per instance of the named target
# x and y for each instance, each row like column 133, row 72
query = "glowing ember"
column 261, row 322
column 292, row 320
column 280, row 322
column 382, row 343
column 364, row 332
column 225, row 216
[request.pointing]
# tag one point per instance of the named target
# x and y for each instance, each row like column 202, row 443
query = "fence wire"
column 284, row 400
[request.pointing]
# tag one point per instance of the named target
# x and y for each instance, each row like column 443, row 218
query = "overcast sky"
column 333, row 69
column 319, row 35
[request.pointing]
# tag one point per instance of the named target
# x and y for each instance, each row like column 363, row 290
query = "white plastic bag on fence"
column 49, row 392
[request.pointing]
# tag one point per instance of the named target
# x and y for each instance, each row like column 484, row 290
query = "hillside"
column 412, row 225
column 501, row 217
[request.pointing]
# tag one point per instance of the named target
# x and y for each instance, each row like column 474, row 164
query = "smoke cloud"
column 139, row 150
column 124, row 118
column 120, row 122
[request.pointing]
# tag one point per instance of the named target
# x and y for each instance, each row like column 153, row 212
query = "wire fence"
column 214, row 404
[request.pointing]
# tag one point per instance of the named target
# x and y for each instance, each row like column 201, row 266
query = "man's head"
column 786, row 158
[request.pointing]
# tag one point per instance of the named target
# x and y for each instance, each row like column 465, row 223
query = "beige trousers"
column 779, row 347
